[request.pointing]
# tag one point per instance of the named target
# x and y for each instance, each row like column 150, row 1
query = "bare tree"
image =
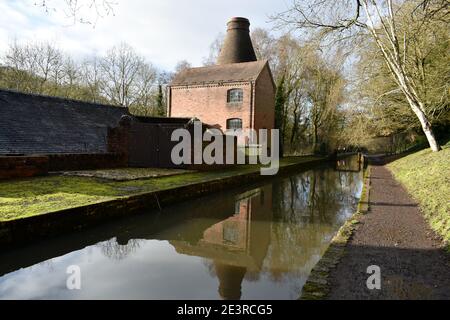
column 127, row 79
column 20, row 68
column 182, row 65
column 299, row 109
column 92, row 78
column 377, row 19
column 75, row 10
column 33, row 65
column 264, row 44
column 325, row 91
column 214, row 50
column 121, row 77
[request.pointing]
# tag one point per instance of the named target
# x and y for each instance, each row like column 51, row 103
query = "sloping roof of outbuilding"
column 34, row 124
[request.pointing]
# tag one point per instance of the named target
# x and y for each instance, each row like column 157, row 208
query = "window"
column 235, row 96
column 234, row 124
column 230, row 233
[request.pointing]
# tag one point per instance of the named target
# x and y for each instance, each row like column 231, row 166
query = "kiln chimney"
column 237, row 46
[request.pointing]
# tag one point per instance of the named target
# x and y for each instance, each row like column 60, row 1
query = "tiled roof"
column 33, row 124
column 233, row 72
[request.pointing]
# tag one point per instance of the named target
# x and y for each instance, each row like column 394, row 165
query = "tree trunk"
column 426, row 127
column 312, row 196
column 281, row 147
column 417, row 108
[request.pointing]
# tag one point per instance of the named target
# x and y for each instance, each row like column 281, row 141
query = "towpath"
column 395, row 237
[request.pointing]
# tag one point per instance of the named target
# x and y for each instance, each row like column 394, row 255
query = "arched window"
column 235, row 96
column 234, row 124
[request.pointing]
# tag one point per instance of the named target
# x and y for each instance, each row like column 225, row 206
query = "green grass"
column 126, row 174
column 35, row 196
column 426, row 176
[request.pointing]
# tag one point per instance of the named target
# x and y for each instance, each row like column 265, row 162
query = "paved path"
column 395, row 237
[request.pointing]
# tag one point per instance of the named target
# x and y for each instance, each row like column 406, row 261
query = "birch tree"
column 377, row 19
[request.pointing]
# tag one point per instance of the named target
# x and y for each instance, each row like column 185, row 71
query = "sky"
column 163, row 31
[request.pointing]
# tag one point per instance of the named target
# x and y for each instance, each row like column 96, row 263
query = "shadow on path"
column 394, row 236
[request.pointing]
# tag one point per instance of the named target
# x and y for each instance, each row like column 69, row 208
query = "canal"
column 256, row 242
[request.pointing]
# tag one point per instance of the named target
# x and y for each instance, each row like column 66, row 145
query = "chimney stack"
column 237, row 46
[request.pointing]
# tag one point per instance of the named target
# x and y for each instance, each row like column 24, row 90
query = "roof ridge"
column 56, row 98
column 232, row 72
column 227, row 65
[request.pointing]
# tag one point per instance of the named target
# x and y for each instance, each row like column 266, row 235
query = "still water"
column 257, row 242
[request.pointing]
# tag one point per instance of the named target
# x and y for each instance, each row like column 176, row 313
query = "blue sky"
column 164, row 31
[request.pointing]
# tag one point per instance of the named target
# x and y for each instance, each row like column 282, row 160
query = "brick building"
column 237, row 93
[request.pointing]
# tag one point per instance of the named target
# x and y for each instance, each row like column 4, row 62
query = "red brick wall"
column 209, row 104
column 264, row 101
column 31, row 166
column 23, row 167
column 118, row 140
column 69, row 162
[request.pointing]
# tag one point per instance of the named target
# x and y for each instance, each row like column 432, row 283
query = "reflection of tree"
column 209, row 266
column 48, row 264
column 308, row 209
column 312, row 199
column 252, row 276
column 113, row 250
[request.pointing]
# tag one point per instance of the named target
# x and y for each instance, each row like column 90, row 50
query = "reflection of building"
column 349, row 164
column 238, row 244
column 230, row 278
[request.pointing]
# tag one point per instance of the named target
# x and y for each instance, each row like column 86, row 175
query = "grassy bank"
column 426, row 176
column 36, row 196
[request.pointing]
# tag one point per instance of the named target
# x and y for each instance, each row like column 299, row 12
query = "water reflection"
column 350, row 164
column 236, row 245
column 257, row 243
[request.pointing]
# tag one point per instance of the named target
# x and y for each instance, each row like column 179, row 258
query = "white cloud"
column 164, row 31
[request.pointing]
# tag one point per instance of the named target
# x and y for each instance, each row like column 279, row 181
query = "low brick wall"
column 70, row 162
column 23, row 166
column 39, row 165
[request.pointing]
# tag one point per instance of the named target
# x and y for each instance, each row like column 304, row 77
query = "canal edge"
column 29, row 229
column 317, row 286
